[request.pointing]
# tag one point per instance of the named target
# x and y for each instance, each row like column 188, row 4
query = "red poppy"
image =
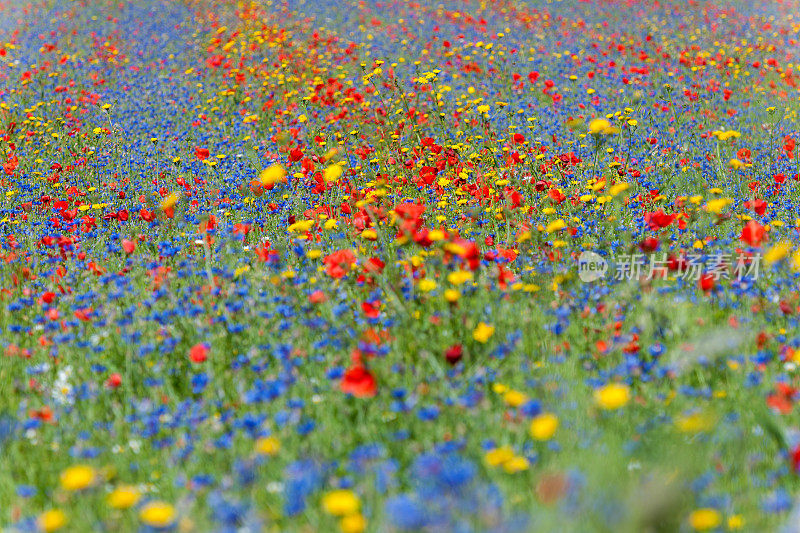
column 201, row 153
column 317, row 297
column 198, row 353
column 114, row 381
column 758, row 205
column 649, row 244
column 706, row 282
column 454, row 354
column 782, row 399
column 359, row 382
column 796, row 460
column 11, row 165
column 658, row 219
column 371, row 309
column 295, row 155
column 752, row 233
column 338, row 263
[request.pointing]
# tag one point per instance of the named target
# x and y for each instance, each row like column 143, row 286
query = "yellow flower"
column 544, row 426
column 52, row 520
column 333, row 173
column 516, row 464
column 716, row 206
column 341, row 502
column 600, row 126
column 736, row 164
column 695, row 423
column 555, row 225
column 618, row 188
column 735, row 522
column 301, row 226
column 157, row 514
column 268, row 446
column 272, row 174
column 454, row 248
column 241, row 271
column 426, row 285
column 725, row 135
column 170, row 201
column 354, row 523
column 452, row 295
column 704, row 519
column 123, row 497
column 777, row 252
column 330, row 154
column 499, row 388
column 612, row 396
column 459, row 277
column 514, row 398
column 436, row 235
column 483, row 333
column 78, row 477
column 498, row 456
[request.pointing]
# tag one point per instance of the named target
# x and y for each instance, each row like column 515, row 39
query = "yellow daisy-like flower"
column 516, row 464
column 268, row 446
column 514, row 398
column 498, row 456
column 170, row 201
column 695, row 423
column 544, row 426
column 483, row 333
column 612, row 396
column 333, row 173
column 341, row 502
column 618, row 188
column 301, row 226
column 157, row 514
column 272, row 174
column 556, row 225
column 354, row 523
column 452, row 295
column 78, row 477
column 725, row 135
column 777, row 252
column 716, row 206
column 426, row 285
column 601, row 126
column 369, row 234
column 123, row 497
column 51, row 520
column 705, row 519
column 598, row 125
column 436, row 235
column 459, row 277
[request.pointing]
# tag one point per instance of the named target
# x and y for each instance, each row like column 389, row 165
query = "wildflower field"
column 399, row 265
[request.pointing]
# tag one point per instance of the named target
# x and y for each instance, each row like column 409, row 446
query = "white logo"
column 591, row 266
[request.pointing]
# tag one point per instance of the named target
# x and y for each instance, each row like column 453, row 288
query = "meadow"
column 399, row 265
